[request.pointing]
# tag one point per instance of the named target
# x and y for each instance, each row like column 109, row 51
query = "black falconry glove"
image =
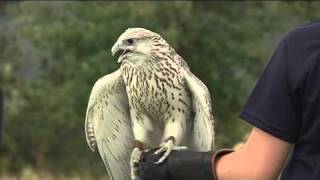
column 180, row 165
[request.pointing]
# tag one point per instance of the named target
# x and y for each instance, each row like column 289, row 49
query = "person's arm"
column 262, row 157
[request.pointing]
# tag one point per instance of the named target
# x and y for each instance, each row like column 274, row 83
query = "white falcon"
column 152, row 101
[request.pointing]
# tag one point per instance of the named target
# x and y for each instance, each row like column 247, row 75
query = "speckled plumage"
column 155, row 88
column 152, row 97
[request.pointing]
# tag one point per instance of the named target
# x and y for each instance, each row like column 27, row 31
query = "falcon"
column 152, row 101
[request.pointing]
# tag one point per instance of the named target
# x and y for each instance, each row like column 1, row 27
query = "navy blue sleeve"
column 274, row 104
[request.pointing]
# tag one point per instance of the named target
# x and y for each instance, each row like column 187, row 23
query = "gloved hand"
column 148, row 169
column 180, row 165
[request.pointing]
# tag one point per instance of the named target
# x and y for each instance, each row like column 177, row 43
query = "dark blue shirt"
column 286, row 100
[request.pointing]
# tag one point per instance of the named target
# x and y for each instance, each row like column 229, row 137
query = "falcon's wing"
column 202, row 135
column 108, row 125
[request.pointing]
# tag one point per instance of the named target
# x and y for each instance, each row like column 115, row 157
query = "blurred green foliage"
column 52, row 53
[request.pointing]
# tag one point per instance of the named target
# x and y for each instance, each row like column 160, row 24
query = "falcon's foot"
column 167, row 147
column 134, row 160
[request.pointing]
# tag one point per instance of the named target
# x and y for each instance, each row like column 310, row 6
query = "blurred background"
column 51, row 53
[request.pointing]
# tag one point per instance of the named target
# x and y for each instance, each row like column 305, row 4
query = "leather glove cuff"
column 188, row 165
column 216, row 155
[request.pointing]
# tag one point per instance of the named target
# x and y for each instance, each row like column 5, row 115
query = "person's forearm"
column 262, row 157
column 237, row 166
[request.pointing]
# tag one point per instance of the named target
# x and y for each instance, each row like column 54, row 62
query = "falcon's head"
column 138, row 43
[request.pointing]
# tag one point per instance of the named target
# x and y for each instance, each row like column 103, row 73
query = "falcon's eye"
column 130, row 41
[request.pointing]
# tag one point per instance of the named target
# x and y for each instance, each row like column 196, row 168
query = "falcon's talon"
column 146, row 150
column 134, row 160
column 167, row 147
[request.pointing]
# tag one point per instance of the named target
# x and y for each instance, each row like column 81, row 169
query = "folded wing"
column 202, row 136
column 108, row 125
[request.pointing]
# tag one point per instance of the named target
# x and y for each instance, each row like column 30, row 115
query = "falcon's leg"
column 174, row 133
column 141, row 128
column 134, row 160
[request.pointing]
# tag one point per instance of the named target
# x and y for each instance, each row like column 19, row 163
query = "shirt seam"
column 252, row 119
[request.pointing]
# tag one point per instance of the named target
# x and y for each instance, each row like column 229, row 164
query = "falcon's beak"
column 116, row 48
